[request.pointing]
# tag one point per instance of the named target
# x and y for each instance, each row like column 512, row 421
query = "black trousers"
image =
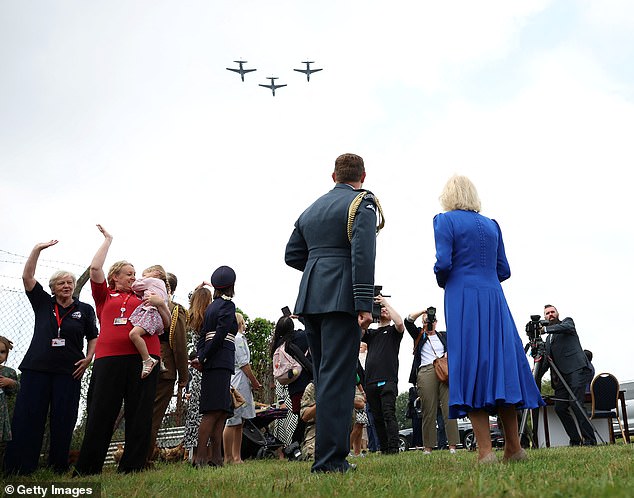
column 382, row 401
column 38, row 392
column 116, row 380
column 577, row 380
column 334, row 340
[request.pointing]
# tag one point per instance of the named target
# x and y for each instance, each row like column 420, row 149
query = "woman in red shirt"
column 117, row 367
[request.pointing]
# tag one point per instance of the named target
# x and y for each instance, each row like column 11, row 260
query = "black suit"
column 564, row 348
column 337, row 283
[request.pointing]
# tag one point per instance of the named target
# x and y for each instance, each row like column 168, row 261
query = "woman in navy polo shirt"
column 116, row 373
column 51, row 370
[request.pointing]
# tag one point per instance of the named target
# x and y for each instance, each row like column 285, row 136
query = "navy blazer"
column 217, row 341
column 564, row 348
column 415, row 332
column 338, row 274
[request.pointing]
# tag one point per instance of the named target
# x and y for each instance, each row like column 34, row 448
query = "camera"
column 534, row 327
column 376, row 307
column 292, row 451
column 431, row 318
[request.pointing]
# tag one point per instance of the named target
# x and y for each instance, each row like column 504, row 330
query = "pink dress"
column 148, row 317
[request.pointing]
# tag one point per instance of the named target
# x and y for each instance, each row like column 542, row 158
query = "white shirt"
column 427, row 355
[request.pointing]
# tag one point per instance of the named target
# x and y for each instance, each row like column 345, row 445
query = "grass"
column 603, row 471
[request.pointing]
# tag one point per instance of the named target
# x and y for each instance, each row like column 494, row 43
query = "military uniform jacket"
column 338, row 273
column 174, row 345
column 564, row 348
column 217, row 341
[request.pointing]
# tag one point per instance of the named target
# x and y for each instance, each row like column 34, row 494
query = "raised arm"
column 97, row 274
column 396, row 318
column 28, row 274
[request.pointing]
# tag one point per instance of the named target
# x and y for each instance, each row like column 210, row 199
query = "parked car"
column 465, row 433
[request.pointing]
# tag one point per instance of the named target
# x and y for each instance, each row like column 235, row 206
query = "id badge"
column 58, row 342
column 120, row 320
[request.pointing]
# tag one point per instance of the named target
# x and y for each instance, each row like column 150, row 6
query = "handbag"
column 441, row 367
column 237, row 400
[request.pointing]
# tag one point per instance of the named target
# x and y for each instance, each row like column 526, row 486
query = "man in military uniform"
column 334, row 245
column 174, row 357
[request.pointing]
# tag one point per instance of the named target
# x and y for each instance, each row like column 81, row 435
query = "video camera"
column 431, row 318
column 534, row 327
column 376, row 307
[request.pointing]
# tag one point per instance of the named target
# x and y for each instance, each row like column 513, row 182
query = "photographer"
column 564, row 348
column 381, row 373
column 429, row 345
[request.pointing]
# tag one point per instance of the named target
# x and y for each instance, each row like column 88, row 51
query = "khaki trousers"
column 434, row 393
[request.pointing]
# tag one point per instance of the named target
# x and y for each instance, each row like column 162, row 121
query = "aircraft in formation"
column 241, row 71
column 272, row 85
column 308, row 70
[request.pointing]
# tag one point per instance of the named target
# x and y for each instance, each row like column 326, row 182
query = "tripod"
column 538, row 352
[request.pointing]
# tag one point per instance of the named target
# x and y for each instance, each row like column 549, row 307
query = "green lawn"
column 593, row 472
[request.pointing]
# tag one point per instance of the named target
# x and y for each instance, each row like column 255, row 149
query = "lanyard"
column 60, row 319
column 125, row 301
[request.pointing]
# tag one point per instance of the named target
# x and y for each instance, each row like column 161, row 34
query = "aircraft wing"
column 248, row 70
column 279, row 86
column 305, row 71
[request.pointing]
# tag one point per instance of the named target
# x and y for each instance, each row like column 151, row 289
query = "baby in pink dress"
column 146, row 318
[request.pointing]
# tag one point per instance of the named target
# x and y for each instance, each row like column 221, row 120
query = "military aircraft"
column 241, row 71
column 272, row 85
column 308, row 70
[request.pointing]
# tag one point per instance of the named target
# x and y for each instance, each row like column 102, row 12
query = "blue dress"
column 487, row 364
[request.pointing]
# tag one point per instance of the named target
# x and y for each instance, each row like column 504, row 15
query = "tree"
column 401, row 411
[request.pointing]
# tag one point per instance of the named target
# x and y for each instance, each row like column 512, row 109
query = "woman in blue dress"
column 488, row 369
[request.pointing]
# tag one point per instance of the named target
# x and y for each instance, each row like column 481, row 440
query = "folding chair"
column 604, row 391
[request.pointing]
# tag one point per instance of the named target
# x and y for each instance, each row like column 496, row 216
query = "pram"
column 257, row 440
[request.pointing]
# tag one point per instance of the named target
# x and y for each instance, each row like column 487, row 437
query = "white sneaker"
column 426, row 452
column 452, row 451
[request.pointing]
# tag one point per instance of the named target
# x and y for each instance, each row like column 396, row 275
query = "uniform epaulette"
column 364, row 195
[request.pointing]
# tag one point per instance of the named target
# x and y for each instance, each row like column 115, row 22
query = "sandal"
column 148, row 366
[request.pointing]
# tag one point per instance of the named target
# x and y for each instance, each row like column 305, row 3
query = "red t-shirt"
column 114, row 340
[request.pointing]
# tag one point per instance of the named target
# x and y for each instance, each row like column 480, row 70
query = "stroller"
column 257, row 440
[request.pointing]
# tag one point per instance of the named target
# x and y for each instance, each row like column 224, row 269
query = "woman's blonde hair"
column 114, row 270
column 58, row 275
column 460, row 193
column 198, row 303
column 162, row 275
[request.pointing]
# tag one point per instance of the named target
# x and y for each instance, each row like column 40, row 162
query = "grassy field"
column 604, row 471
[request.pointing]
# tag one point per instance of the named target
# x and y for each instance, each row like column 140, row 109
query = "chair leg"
column 625, row 441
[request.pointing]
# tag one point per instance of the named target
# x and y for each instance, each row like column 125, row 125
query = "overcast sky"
column 123, row 113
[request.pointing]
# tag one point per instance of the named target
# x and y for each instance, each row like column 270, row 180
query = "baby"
column 146, row 318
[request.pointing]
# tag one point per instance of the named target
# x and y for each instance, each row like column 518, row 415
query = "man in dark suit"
column 335, row 248
column 564, row 348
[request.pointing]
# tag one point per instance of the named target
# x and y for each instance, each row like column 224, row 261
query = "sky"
column 123, row 113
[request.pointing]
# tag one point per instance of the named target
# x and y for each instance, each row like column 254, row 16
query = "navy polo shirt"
column 78, row 323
